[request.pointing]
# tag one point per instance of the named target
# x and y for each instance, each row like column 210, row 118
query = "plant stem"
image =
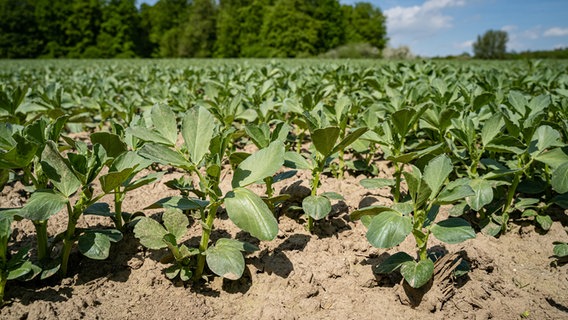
column 69, row 238
column 3, row 280
column 315, row 182
column 341, row 165
column 397, row 176
column 206, row 229
column 118, row 198
column 41, row 234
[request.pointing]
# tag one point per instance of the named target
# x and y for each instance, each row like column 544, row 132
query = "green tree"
column 161, row 22
column 119, row 30
column 250, row 23
column 51, row 18
column 365, row 23
column 82, row 27
column 289, row 31
column 331, row 33
column 228, row 29
column 198, row 33
column 491, row 45
column 19, row 34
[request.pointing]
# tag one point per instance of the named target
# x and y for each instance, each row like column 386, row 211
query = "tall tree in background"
column 119, row 29
column 185, row 28
column 331, row 33
column 82, row 27
column 198, row 33
column 365, row 23
column 289, row 31
column 19, row 34
column 252, row 18
column 228, row 28
column 491, row 45
column 51, row 18
column 162, row 23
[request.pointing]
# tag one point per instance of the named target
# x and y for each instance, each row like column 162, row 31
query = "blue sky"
column 444, row 27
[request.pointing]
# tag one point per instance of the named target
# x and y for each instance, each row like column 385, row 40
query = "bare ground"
column 324, row 275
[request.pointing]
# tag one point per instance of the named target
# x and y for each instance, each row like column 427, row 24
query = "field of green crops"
column 461, row 149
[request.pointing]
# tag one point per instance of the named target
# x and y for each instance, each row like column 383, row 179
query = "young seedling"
column 70, row 175
column 11, row 266
column 123, row 168
column 205, row 149
column 324, row 146
column 389, row 226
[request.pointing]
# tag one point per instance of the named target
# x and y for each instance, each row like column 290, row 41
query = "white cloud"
column 466, row 45
column 509, row 28
column 556, row 32
column 426, row 18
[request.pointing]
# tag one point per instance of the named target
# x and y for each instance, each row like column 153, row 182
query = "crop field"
column 276, row 189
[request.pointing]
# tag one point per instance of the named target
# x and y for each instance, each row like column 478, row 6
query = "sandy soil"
column 324, row 275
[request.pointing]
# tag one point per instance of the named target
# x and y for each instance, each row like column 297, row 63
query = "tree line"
column 185, row 28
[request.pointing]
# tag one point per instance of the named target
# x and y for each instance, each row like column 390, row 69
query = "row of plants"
column 487, row 141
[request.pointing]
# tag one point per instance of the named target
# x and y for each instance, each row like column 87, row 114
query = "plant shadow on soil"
column 81, row 271
column 335, row 223
column 415, row 296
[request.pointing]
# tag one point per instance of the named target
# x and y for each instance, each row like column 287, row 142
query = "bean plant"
column 389, row 226
column 205, row 148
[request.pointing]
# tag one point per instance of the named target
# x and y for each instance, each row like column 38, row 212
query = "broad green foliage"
column 487, row 142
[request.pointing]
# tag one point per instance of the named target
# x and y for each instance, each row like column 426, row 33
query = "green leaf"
column 251, row 214
column 545, row 222
column 559, row 180
column 150, row 233
column 129, row 159
column 43, row 204
column 561, row 200
column 259, row 165
column 436, row 173
column 259, row 134
column 295, row 160
column 58, row 170
column 449, row 196
column 368, row 211
column 388, row 229
column 453, row 230
column 164, row 155
column 506, row 144
column 376, row 183
column 198, row 128
column 20, row 155
column 402, row 121
column 317, row 207
column 175, row 222
column 554, row 158
column 393, row 262
column 149, row 135
column 349, row 139
column 99, row 209
column 178, row 202
column 114, row 179
column 111, row 142
column 165, row 123
column 543, row 138
column 94, row 245
column 417, row 274
column 491, row 129
column 324, row 139
column 518, row 101
column 560, row 249
column 483, row 194
column 225, row 260
column 332, row 195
